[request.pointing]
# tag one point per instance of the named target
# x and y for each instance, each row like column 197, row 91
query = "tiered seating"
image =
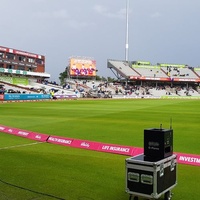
column 11, row 88
column 180, row 72
column 197, row 71
column 48, row 87
column 150, row 71
column 122, row 67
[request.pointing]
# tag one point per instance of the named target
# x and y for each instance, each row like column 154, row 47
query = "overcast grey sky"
column 165, row 31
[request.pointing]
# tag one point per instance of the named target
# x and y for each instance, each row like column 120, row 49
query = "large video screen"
column 82, row 67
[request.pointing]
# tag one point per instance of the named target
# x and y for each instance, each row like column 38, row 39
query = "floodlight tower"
column 127, row 23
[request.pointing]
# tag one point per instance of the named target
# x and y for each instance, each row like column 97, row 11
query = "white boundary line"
column 21, row 145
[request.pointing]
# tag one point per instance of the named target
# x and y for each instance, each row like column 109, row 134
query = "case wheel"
column 134, row 198
column 167, row 196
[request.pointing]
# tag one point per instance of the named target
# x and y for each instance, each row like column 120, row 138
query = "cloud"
column 60, row 14
column 156, row 15
column 57, row 14
column 75, row 24
column 102, row 10
column 63, row 17
column 38, row 1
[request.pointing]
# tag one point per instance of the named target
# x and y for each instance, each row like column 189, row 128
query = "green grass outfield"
column 47, row 171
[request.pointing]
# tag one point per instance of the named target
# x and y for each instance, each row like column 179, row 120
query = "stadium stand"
column 122, row 69
column 156, row 80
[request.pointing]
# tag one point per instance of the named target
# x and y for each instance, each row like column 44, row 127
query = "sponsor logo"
column 85, row 144
column 2, row 128
column 38, row 137
column 153, row 145
column 189, row 159
column 22, row 133
column 114, row 148
column 59, row 140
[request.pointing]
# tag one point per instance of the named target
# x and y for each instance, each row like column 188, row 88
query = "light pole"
column 127, row 23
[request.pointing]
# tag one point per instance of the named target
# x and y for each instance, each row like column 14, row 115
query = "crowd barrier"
column 182, row 158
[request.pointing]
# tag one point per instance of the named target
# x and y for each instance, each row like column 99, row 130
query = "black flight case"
column 150, row 179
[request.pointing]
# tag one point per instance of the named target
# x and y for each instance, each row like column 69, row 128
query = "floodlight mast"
column 127, row 30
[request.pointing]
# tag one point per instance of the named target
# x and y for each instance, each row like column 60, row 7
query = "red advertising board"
column 1, row 97
column 182, row 158
column 23, row 133
column 19, row 52
column 82, row 67
column 8, row 130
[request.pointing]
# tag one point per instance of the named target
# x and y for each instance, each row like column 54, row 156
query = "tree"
column 63, row 76
column 98, row 78
column 110, row 79
column 103, row 79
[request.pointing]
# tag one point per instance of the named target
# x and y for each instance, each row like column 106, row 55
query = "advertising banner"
column 82, row 67
column 19, row 52
column 23, row 133
column 182, row 158
column 20, row 81
column 1, row 97
column 8, row 130
column 16, row 96
column 65, row 96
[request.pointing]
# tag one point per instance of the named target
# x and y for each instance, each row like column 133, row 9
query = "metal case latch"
column 172, row 165
column 161, row 169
